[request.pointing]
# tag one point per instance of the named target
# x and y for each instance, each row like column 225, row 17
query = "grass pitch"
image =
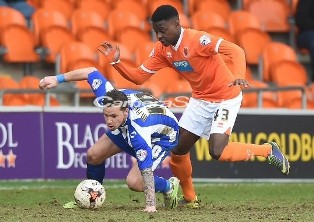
column 42, row 201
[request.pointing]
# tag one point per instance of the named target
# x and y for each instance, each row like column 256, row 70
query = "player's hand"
column 112, row 52
column 48, row 82
column 150, row 209
column 240, row 82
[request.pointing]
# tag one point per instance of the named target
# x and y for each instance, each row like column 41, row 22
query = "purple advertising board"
column 20, row 145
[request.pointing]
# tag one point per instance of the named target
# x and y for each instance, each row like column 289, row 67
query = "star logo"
column 2, row 160
column 11, row 157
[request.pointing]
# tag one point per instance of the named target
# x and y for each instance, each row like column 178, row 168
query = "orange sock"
column 182, row 169
column 241, row 151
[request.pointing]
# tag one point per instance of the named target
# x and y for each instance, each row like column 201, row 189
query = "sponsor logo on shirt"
column 96, row 83
column 141, row 154
column 205, row 40
column 183, row 66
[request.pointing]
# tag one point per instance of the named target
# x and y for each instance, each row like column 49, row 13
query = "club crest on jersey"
column 186, row 52
column 141, row 154
column 96, row 83
column 205, row 40
column 183, row 66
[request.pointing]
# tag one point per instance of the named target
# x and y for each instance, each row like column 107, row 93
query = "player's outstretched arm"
column 49, row 82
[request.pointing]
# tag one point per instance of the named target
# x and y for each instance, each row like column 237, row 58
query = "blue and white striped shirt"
column 150, row 129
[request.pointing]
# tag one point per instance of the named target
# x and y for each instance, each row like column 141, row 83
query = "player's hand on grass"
column 48, row 82
column 240, row 82
column 150, row 209
column 111, row 51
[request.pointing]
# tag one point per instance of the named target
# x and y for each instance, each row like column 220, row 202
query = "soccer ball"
column 90, row 194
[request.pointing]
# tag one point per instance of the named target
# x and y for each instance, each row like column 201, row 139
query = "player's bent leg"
column 134, row 179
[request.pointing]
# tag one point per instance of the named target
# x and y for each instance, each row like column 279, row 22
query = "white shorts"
column 203, row 118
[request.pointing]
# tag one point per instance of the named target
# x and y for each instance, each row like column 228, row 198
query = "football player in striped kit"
column 138, row 124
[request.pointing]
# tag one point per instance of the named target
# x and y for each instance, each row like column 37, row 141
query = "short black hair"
column 115, row 98
column 164, row 12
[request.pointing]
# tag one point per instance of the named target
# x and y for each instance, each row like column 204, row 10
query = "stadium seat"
column 184, row 20
column 241, row 20
column 253, row 42
column 203, row 20
column 269, row 99
column 74, row 55
column 272, row 14
column 273, row 53
column 36, row 99
column 44, row 19
column 289, row 73
column 82, row 19
column 221, row 7
column 10, row 16
column 130, row 37
column 21, row 49
column 119, row 20
column 99, row 6
column 65, row 7
column 136, row 7
column 7, row 82
column 93, row 37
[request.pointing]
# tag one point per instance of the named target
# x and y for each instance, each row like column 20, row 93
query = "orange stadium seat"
column 21, row 49
column 74, row 55
column 44, row 19
column 99, row 6
column 10, row 16
column 36, row 99
column 272, row 14
column 136, row 7
column 131, row 37
column 93, row 37
column 65, row 7
column 241, row 20
column 82, row 19
column 221, row 7
column 289, row 73
column 253, row 42
column 6, row 82
column 269, row 99
column 119, row 20
column 273, row 53
column 202, row 20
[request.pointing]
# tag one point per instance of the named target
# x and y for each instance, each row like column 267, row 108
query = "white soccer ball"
column 90, row 194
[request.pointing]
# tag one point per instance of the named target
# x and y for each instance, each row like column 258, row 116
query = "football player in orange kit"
column 216, row 97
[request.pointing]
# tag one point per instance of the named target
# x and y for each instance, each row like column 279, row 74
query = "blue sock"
column 161, row 184
column 96, row 172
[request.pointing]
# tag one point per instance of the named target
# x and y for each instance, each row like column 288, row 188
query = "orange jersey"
column 198, row 57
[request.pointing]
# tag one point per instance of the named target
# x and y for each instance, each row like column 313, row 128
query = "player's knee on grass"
column 135, row 183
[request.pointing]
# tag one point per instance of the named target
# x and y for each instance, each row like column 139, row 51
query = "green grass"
column 42, row 201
